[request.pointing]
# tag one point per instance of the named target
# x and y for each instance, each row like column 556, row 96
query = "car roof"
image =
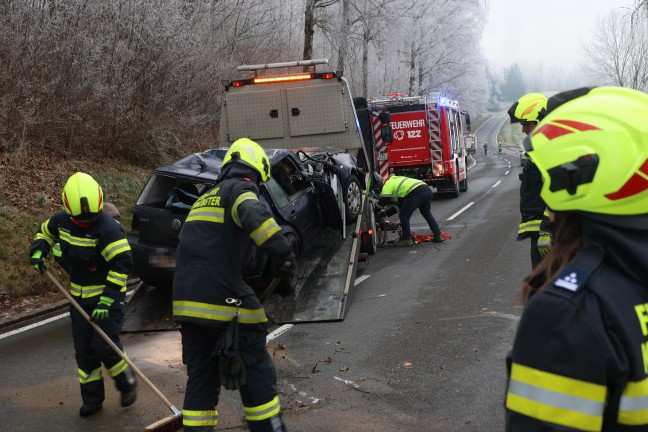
column 207, row 164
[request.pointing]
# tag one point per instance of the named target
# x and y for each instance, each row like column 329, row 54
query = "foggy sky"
column 553, row 30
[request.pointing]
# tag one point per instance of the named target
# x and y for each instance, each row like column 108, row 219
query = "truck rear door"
column 411, row 143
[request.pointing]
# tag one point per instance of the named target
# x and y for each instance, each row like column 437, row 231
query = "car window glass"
column 161, row 187
column 279, row 196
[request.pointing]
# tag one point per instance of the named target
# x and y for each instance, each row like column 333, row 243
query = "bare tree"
column 618, row 52
column 310, row 21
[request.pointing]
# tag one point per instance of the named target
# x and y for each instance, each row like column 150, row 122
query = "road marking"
column 360, row 279
column 31, row 326
column 281, row 330
column 497, row 184
column 466, row 207
column 507, row 172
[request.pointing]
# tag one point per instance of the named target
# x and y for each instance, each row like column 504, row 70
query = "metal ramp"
column 326, row 275
column 149, row 310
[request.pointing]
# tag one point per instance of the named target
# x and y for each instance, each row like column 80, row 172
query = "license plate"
column 382, row 156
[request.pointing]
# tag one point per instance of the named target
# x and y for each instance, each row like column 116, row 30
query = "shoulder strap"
column 575, row 275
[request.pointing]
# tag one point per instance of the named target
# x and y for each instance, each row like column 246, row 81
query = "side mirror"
column 386, row 132
column 384, row 117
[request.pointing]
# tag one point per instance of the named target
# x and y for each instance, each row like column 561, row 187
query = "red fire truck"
column 428, row 140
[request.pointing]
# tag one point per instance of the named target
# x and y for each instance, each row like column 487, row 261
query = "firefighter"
column 579, row 358
column 409, row 194
column 210, row 295
column 99, row 261
column 528, row 111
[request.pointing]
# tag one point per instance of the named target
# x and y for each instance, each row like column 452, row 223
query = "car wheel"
column 288, row 281
column 352, row 199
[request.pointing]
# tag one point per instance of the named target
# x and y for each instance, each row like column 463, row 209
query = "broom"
column 167, row 424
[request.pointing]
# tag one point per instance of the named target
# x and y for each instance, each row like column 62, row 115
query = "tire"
column 352, row 199
column 463, row 186
column 288, row 281
column 455, row 192
column 371, row 244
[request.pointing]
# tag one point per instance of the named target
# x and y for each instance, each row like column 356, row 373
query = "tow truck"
column 293, row 106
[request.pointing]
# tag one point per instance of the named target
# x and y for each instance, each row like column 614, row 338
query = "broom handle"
column 111, row 343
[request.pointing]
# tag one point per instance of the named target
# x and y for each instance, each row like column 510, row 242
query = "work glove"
column 102, row 310
column 231, row 368
column 38, row 261
column 544, row 243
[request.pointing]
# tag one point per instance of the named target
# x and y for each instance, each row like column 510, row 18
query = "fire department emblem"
column 176, row 224
column 399, row 135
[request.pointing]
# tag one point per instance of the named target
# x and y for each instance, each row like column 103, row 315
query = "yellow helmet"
column 82, row 197
column 247, row 152
column 592, row 150
column 531, row 107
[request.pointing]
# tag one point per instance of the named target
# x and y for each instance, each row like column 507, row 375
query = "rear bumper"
column 153, row 264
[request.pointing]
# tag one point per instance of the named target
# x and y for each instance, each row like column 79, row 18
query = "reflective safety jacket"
column 398, row 187
column 580, row 357
column 532, row 207
column 217, row 242
column 97, row 257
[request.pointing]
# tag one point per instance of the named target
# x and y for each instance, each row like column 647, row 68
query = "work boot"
column 90, row 409
column 128, row 396
column 438, row 238
column 403, row 242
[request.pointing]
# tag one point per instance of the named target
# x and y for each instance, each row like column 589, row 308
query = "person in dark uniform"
column 95, row 253
column 528, row 111
column 210, row 295
column 580, row 357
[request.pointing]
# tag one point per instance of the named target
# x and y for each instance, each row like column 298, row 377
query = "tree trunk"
column 365, row 64
column 309, row 29
column 412, row 72
column 344, row 35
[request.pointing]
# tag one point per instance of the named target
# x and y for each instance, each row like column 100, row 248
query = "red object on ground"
column 428, row 238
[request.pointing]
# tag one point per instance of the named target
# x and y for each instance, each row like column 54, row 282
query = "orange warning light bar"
column 282, row 79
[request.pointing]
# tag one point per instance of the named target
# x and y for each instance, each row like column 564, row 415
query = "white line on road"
column 360, row 279
column 497, row 184
column 31, row 326
column 466, row 207
column 507, row 172
column 281, row 330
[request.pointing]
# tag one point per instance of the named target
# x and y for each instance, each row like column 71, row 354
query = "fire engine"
column 428, row 140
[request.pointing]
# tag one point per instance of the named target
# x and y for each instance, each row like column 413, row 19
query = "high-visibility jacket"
column 580, row 357
column 97, row 256
column 398, row 187
column 217, row 243
column 532, row 207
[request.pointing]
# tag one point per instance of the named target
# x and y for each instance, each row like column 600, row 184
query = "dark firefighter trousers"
column 90, row 351
column 259, row 395
column 421, row 201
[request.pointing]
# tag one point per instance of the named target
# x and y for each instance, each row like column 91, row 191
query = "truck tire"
column 370, row 242
column 455, row 192
column 463, row 186
column 288, row 281
column 352, row 199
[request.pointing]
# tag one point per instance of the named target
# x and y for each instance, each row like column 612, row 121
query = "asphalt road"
column 422, row 347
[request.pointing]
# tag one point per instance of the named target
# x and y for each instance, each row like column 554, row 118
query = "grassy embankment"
column 30, row 192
